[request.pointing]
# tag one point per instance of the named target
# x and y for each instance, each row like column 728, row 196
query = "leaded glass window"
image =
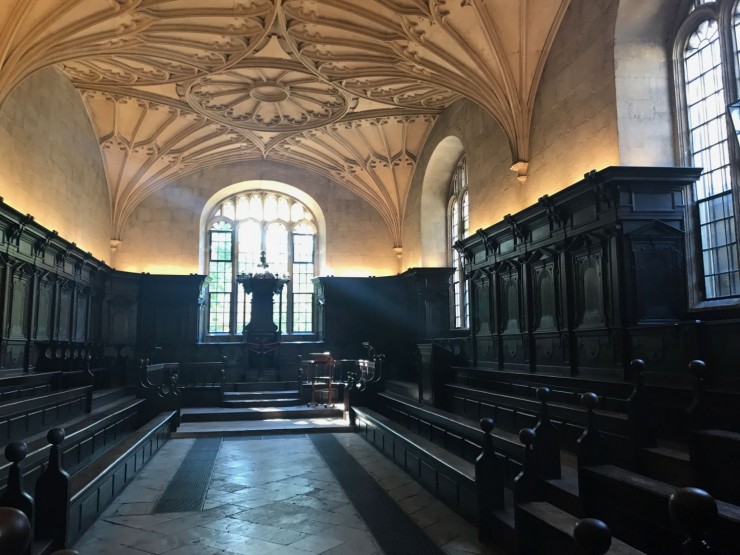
column 457, row 229
column 241, row 227
column 704, row 77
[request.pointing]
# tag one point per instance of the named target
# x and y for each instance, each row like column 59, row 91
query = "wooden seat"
column 319, row 371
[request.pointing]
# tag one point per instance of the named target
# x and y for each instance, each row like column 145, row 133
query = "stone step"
column 258, row 395
column 262, row 427
column 261, row 386
column 254, row 403
column 262, row 413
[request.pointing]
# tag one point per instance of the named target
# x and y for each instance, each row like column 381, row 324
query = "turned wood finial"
column 15, row 496
column 526, row 484
column 56, row 435
column 590, row 401
column 15, row 531
column 487, row 424
column 637, row 366
column 526, row 436
column 543, row 394
column 694, row 510
column 15, row 452
column 592, row 536
column 698, row 368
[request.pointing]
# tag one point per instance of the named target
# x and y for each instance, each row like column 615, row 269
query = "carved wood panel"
column 65, row 311
column 81, row 311
column 44, row 308
column 20, row 303
column 589, row 286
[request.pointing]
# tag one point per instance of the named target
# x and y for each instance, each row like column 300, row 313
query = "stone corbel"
column 521, row 168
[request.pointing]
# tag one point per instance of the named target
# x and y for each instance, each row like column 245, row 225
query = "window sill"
column 718, row 304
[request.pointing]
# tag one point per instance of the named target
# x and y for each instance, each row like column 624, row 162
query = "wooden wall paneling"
column 63, row 326
column 514, row 355
column 482, row 321
column 82, row 312
column 4, row 307
column 611, row 248
column 44, row 307
column 548, row 336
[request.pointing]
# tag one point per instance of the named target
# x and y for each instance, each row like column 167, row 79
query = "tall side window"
column 707, row 79
column 240, row 228
column 457, row 229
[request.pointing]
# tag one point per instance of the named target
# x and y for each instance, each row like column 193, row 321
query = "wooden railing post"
column 489, row 481
column 525, row 484
column 591, row 450
column 546, row 441
column 642, row 428
column 698, row 412
column 15, row 496
column 52, row 495
column 694, row 511
column 591, row 445
column 15, row 531
column 592, row 536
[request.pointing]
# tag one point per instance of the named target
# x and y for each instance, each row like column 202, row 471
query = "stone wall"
column 163, row 233
column 574, row 130
column 50, row 166
column 643, row 51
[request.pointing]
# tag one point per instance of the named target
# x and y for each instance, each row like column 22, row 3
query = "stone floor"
column 254, row 505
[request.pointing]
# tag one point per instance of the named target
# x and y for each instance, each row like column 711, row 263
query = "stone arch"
column 268, row 185
column 434, row 191
column 643, row 79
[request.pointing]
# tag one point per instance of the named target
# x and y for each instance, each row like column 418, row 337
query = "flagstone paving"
column 268, row 495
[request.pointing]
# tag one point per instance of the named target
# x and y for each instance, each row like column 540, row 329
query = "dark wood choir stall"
column 586, row 388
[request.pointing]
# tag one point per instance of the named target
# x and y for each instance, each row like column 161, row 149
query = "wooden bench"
column 85, row 440
column 20, row 419
column 513, row 413
column 563, row 389
column 28, row 385
column 449, row 477
column 635, row 508
column 92, row 488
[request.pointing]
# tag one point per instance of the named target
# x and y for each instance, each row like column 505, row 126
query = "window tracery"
column 240, row 228
column 458, row 218
column 707, row 82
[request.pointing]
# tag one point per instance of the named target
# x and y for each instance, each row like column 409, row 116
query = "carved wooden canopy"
column 347, row 88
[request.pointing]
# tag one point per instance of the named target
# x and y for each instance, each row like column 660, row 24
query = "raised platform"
column 212, row 414
column 282, row 426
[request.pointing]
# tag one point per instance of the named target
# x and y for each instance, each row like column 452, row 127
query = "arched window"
column 457, row 227
column 240, row 228
column 706, row 58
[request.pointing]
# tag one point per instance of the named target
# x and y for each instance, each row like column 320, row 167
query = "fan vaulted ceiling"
column 347, row 88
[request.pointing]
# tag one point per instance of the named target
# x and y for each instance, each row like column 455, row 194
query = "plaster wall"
column 162, row 234
column 51, row 165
